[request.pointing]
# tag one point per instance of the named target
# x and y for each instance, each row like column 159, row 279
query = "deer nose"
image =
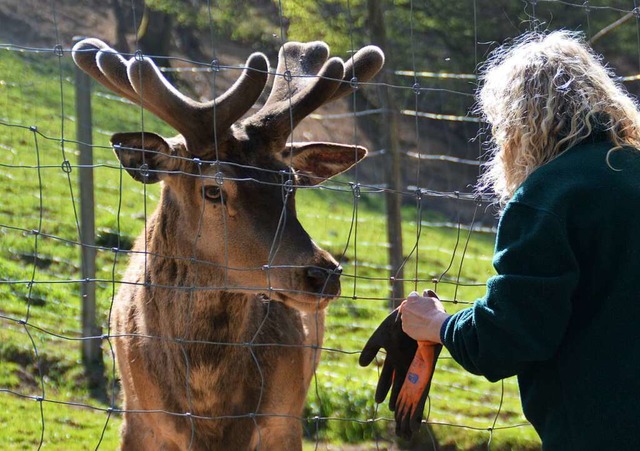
column 325, row 281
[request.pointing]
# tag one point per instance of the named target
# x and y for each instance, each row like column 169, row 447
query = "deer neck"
column 185, row 291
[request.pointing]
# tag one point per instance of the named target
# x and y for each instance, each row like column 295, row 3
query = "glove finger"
column 384, row 381
column 402, row 427
column 400, row 376
column 369, row 351
column 404, row 413
column 378, row 339
column 407, row 424
column 401, row 404
column 415, row 419
column 412, row 419
column 415, row 389
column 398, row 380
column 409, row 417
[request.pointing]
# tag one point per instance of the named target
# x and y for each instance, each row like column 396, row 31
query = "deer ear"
column 316, row 162
column 147, row 157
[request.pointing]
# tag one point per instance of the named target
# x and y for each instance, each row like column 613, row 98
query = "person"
column 562, row 312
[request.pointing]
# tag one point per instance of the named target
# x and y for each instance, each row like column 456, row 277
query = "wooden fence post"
column 91, row 350
column 390, row 142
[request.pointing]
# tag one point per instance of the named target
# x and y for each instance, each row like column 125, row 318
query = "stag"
column 219, row 320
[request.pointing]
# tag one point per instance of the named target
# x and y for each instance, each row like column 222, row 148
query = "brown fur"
column 207, row 351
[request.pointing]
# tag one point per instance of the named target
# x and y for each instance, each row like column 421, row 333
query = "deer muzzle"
column 324, row 282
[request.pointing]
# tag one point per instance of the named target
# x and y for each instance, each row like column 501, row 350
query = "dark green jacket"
column 563, row 313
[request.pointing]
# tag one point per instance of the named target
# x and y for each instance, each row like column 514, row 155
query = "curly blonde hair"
column 543, row 95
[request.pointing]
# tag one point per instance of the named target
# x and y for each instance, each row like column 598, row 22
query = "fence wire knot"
column 66, row 167
column 355, row 188
column 144, row 170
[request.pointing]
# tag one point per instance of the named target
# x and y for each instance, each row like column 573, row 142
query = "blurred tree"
column 253, row 23
column 154, row 34
column 120, row 13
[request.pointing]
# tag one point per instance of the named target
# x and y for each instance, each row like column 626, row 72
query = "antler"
column 140, row 80
column 306, row 79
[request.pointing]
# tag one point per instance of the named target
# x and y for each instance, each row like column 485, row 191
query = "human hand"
column 422, row 316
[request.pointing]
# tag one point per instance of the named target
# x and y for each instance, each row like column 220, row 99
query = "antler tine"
column 109, row 68
column 116, row 69
column 304, row 81
column 140, row 81
column 85, row 55
column 196, row 120
column 296, row 60
column 241, row 96
column 363, row 65
column 154, row 91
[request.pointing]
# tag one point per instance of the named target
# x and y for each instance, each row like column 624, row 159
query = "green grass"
column 38, row 195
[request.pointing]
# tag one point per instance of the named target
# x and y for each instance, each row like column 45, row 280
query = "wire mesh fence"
column 57, row 398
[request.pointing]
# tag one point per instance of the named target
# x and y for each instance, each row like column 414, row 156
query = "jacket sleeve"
column 524, row 314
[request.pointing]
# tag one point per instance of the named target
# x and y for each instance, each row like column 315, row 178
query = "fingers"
column 421, row 305
column 425, row 294
column 408, row 416
column 377, row 338
column 415, row 389
column 430, row 294
column 369, row 351
column 398, row 380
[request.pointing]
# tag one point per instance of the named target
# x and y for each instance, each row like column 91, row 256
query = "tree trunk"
column 154, row 37
column 390, row 143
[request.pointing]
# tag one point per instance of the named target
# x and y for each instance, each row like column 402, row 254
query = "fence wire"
column 447, row 230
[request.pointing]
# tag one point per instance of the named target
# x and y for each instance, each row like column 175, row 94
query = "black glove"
column 400, row 348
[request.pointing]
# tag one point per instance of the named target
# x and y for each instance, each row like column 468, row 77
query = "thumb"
column 370, row 350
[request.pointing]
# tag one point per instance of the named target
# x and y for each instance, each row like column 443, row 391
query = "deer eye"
column 213, row 193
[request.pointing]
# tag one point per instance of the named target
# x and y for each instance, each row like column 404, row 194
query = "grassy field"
column 44, row 394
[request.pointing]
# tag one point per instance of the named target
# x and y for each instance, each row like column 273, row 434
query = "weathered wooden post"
column 91, row 350
column 390, row 142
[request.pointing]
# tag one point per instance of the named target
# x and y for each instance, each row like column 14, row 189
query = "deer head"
column 230, row 182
